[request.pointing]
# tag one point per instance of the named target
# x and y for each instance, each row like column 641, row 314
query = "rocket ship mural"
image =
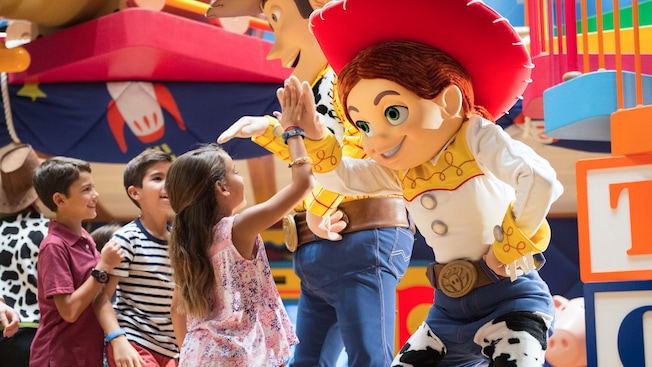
column 139, row 105
column 112, row 122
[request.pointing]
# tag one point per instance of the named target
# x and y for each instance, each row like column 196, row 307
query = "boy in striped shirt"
column 142, row 282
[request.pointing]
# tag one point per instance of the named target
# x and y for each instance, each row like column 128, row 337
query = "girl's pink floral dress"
column 248, row 325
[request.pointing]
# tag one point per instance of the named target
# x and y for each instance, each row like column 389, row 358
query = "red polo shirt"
column 64, row 263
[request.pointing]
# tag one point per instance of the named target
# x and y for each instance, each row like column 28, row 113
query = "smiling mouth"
column 392, row 152
column 296, row 61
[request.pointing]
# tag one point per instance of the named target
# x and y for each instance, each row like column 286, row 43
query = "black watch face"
column 101, row 275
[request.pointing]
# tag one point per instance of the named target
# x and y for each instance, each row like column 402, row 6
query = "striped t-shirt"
column 144, row 292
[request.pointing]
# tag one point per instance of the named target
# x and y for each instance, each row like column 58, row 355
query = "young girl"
column 225, row 289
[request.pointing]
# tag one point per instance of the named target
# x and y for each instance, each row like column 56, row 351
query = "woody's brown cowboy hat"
column 236, row 8
column 17, row 167
column 233, row 8
column 469, row 31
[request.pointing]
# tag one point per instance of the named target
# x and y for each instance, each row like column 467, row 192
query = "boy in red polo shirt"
column 70, row 271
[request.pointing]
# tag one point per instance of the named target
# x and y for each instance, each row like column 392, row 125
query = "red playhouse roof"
column 142, row 44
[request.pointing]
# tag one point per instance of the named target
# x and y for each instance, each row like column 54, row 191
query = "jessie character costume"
column 421, row 79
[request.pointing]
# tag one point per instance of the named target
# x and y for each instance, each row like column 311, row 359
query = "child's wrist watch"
column 102, row 276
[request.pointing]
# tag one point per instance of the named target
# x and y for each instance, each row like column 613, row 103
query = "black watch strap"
column 102, row 276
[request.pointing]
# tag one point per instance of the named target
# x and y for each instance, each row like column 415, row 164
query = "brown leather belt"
column 459, row 277
column 359, row 215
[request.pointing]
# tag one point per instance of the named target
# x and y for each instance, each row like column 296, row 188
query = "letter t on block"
column 614, row 197
column 640, row 210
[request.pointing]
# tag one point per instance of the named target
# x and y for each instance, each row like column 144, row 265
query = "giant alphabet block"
column 619, row 324
column 614, row 216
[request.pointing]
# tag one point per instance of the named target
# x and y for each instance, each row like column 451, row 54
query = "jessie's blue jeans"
column 350, row 284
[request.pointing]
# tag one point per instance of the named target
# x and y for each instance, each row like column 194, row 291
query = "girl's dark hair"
column 418, row 67
column 190, row 185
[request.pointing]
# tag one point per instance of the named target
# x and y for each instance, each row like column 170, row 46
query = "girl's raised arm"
column 293, row 97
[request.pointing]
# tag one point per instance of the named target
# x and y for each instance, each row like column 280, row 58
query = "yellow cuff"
column 273, row 142
column 352, row 147
column 511, row 243
column 326, row 153
column 322, row 202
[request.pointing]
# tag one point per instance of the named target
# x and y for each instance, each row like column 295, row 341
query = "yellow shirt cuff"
column 326, row 153
column 322, row 202
column 511, row 243
column 273, row 143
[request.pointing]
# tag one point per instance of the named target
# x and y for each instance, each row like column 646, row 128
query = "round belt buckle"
column 457, row 278
column 290, row 234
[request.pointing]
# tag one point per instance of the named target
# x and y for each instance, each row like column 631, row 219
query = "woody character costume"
column 421, row 80
column 348, row 286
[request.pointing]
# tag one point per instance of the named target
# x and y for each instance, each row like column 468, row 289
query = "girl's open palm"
column 304, row 112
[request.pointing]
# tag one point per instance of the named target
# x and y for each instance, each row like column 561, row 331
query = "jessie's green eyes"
column 396, row 115
column 364, row 127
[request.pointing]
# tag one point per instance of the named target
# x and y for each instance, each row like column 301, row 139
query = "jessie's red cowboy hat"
column 17, row 168
column 469, row 31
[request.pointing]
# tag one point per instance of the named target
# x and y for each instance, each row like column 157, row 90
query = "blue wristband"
column 114, row 334
column 292, row 131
